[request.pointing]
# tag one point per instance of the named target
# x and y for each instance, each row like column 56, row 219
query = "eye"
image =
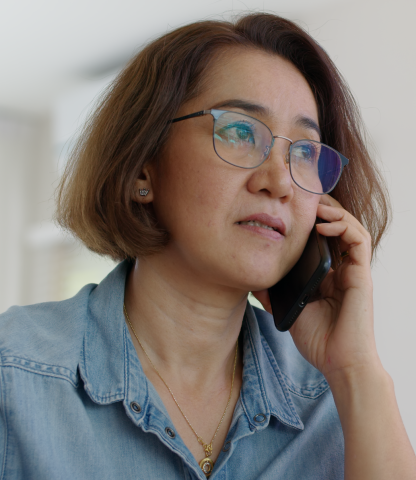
column 306, row 152
column 237, row 133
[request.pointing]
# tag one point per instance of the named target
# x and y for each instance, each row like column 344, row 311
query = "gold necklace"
column 206, row 463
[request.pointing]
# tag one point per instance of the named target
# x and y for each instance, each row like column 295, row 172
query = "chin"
column 262, row 273
column 260, row 279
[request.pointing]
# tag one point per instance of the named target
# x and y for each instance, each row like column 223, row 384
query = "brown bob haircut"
column 131, row 124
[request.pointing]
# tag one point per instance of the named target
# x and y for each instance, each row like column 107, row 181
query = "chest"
column 55, row 430
column 201, row 421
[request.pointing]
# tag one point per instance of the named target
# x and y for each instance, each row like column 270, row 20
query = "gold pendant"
column 206, row 465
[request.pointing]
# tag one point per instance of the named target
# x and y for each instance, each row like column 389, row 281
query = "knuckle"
column 342, row 213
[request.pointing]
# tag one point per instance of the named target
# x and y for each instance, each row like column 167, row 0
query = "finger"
column 332, row 213
column 353, row 239
column 329, row 201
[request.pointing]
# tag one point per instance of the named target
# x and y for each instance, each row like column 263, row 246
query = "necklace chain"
column 206, row 446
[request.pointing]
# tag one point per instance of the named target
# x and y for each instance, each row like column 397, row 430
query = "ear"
column 143, row 191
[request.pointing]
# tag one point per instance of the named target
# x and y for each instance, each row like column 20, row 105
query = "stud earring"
column 143, row 192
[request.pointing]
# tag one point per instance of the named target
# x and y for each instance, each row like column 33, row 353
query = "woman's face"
column 202, row 200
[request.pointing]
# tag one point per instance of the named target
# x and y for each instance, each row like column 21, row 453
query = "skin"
column 212, row 262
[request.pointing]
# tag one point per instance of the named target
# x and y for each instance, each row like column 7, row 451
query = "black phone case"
column 290, row 295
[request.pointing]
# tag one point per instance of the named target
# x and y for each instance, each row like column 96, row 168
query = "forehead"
column 259, row 78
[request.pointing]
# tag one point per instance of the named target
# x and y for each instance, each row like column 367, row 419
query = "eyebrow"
column 244, row 105
column 300, row 121
column 308, row 123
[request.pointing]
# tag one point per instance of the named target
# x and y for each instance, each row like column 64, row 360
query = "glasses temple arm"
column 192, row 115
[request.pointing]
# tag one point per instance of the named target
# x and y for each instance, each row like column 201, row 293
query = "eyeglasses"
column 245, row 142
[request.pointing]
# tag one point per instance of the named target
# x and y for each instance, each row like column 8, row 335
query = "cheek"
column 191, row 191
column 304, row 210
column 305, row 206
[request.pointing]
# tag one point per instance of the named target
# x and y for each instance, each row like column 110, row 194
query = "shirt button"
column 170, row 432
column 260, row 418
column 226, row 446
column 135, row 407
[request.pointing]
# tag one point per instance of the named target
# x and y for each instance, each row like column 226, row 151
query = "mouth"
column 266, row 222
column 254, row 223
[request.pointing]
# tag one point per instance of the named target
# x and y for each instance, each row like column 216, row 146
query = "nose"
column 273, row 176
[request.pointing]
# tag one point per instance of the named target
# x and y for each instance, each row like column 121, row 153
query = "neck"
column 188, row 327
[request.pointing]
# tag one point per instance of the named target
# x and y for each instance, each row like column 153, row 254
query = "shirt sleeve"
column 3, row 425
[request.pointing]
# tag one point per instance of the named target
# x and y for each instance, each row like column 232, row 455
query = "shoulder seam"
column 41, row 369
column 306, row 391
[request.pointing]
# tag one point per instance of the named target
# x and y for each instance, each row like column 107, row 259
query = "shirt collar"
column 111, row 370
column 102, row 363
column 264, row 389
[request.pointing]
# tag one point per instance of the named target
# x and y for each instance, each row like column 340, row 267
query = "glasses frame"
column 216, row 114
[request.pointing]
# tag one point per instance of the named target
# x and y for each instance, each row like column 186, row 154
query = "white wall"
column 25, row 190
column 15, row 142
column 38, row 262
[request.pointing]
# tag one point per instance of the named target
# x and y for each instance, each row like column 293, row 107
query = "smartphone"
column 292, row 293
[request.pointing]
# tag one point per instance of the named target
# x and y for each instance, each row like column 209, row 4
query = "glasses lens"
column 241, row 140
column 314, row 166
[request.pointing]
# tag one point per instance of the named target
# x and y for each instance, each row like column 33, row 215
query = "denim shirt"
column 75, row 403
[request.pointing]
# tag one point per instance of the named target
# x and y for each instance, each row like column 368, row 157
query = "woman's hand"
column 335, row 334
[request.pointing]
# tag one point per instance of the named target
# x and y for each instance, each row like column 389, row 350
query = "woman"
column 164, row 370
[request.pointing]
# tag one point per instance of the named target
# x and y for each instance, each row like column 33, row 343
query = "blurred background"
column 56, row 56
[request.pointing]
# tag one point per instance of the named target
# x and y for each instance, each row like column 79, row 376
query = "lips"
column 267, row 222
